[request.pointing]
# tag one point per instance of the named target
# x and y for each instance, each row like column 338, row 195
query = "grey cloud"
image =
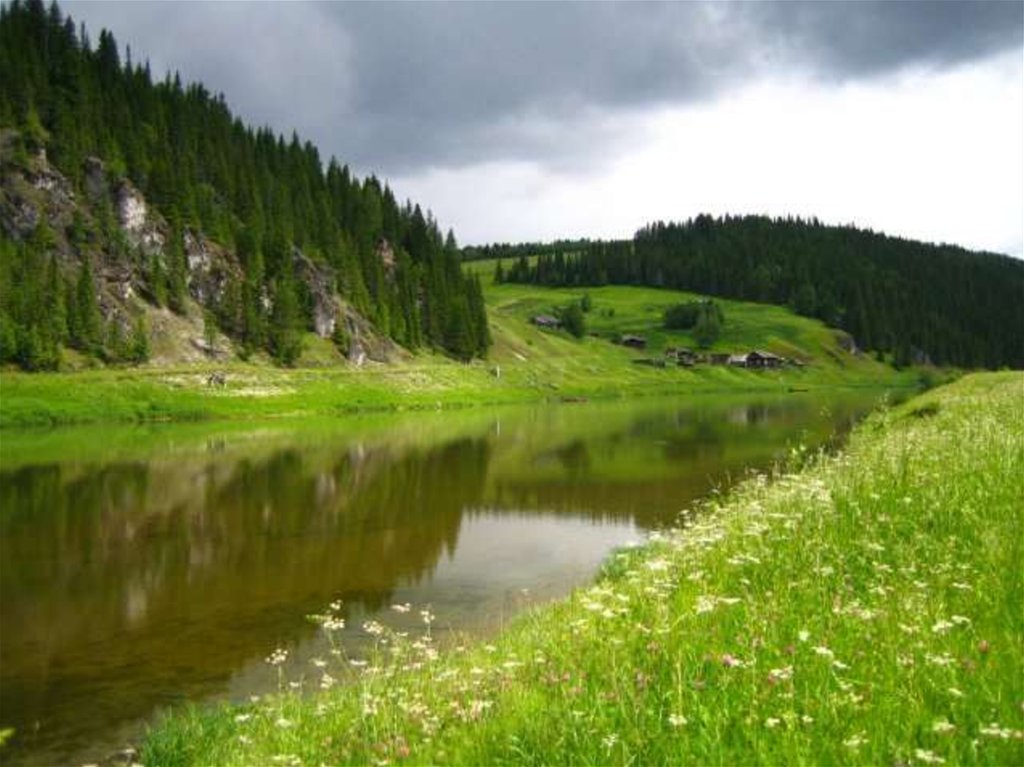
column 396, row 88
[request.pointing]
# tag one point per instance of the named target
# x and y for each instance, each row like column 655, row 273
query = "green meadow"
column 860, row 608
column 526, row 363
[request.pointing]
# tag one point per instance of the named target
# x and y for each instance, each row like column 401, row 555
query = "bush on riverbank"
column 863, row 610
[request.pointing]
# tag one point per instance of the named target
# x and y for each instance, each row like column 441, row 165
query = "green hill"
column 555, row 357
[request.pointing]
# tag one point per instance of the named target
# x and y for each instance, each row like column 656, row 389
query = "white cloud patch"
column 934, row 155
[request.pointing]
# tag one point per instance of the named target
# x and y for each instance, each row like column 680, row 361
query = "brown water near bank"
column 140, row 568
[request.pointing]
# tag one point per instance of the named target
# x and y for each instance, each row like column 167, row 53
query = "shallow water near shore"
column 146, row 566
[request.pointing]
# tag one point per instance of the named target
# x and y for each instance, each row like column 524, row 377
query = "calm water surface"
column 143, row 567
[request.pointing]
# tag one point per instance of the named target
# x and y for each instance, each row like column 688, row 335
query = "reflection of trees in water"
column 184, row 571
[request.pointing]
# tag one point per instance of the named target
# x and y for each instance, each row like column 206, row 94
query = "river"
column 141, row 567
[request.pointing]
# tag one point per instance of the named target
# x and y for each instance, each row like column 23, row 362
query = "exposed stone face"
column 33, row 191
column 19, row 218
column 142, row 228
column 319, row 280
column 386, row 254
column 96, row 187
column 210, row 267
column 131, row 208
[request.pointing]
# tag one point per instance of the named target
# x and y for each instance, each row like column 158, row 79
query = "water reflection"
column 168, row 569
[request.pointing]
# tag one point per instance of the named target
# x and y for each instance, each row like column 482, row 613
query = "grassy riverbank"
column 865, row 610
column 525, row 364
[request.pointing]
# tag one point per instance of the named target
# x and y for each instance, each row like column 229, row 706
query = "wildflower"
column 942, row 726
column 838, row 664
column 403, row 608
column 807, row 719
column 677, row 720
column 928, row 757
column 960, row 620
column 326, row 682
column 730, row 661
column 705, row 604
column 856, row 741
column 283, row 723
column 319, row 662
column 243, row 718
column 357, row 663
column 804, row 635
column 772, row 722
column 609, row 741
column 373, row 628
column 824, row 651
column 955, row 692
column 277, row 657
column 995, row 731
column 781, row 674
column 427, row 616
column 941, row 627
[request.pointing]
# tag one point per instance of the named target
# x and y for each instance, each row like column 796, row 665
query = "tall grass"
column 864, row 609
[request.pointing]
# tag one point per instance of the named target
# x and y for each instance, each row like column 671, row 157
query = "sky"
column 534, row 121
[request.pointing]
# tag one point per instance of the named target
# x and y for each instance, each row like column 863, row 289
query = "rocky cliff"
column 106, row 219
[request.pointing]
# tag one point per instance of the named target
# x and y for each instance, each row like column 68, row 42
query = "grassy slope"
column 534, row 364
column 864, row 610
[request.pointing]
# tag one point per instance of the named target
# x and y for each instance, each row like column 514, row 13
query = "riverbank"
column 526, row 364
column 864, row 609
column 252, row 391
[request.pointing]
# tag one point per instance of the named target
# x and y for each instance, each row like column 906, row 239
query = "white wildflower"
column 928, row 757
column 856, row 741
column 277, row 657
column 781, row 674
column 941, row 627
column 677, row 720
column 942, row 726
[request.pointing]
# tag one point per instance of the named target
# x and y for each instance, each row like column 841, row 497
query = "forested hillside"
column 913, row 300
column 284, row 227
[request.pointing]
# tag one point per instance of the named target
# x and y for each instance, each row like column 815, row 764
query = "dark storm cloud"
column 400, row 87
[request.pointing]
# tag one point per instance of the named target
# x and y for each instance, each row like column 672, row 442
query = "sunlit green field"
column 525, row 364
column 859, row 609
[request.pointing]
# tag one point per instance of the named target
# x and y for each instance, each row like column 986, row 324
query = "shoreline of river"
column 684, row 651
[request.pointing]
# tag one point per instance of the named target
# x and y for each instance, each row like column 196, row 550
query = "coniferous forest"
column 262, row 196
column 912, row 300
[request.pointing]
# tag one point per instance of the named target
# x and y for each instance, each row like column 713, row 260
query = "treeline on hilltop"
column 249, row 190
column 513, row 250
column 905, row 298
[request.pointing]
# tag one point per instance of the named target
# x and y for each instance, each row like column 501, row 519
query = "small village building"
column 763, row 359
column 738, row 360
column 718, row 358
column 633, row 342
column 546, row 321
column 683, row 357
